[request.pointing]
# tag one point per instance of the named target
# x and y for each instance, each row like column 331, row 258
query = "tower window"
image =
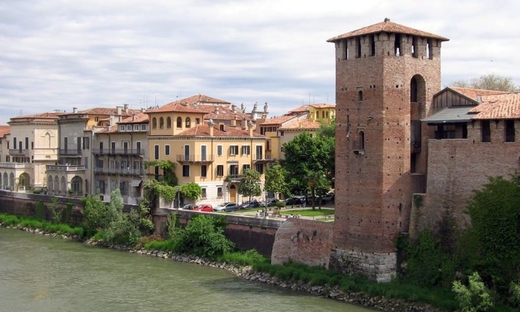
column 414, row 46
column 372, row 45
column 360, row 96
column 429, row 49
column 485, row 129
column 345, row 42
column 510, row 130
column 397, row 45
column 358, row 46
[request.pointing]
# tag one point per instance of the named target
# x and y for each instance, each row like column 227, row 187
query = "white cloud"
column 58, row 54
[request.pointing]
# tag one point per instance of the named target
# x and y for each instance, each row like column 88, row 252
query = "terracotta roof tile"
column 474, row 94
column 300, row 109
column 323, row 105
column 388, row 27
column 501, row 106
column 38, row 116
column 136, row 118
column 4, row 130
column 304, row 124
column 203, row 130
column 277, row 121
column 103, row 111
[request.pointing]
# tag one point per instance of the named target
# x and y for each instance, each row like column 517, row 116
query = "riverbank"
column 247, row 273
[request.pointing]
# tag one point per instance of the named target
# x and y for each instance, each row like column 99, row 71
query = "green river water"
column 40, row 273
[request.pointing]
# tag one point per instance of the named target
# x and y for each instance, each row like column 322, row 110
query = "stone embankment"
column 248, row 273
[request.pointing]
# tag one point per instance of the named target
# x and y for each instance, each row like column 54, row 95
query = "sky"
column 60, row 54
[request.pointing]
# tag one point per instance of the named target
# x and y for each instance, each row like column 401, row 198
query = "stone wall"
column 381, row 267
column 303, row 241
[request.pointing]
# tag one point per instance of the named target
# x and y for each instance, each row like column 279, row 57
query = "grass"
column 59, row 228
column 309, row 212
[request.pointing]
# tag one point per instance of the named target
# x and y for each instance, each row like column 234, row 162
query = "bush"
column 249, row 257
column 474, row 297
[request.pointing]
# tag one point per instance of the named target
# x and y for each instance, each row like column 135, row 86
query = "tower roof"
column 389, row 27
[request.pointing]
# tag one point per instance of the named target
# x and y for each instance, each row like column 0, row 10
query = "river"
column 40, row 273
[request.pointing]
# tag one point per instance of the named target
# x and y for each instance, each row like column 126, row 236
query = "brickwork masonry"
column 380, row 267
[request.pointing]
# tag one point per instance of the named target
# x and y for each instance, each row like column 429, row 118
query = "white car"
column 230, row 206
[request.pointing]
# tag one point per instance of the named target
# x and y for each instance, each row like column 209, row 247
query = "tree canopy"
column 488, row 82
column 275, row 180
column 250, row 184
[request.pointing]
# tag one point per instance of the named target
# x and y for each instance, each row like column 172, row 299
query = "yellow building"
column 212, row 154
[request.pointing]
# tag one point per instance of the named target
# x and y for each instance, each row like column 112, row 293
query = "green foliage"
column 494, row 236
column 275, row 180
column 68, row 212
column 165, row 245
column 168, row 168
column 475, row 297
column 203, row 236
column 172, row 225
column 489, row 82
column 191, row 190
column 56, row 213
column 249, row 257
column 514, row 298
column 250, row 184
column 40, row 210
column 65, row 229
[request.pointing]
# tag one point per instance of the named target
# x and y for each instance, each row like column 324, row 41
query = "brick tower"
column 386, row 75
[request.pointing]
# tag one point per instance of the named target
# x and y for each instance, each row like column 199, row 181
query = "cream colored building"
column 32, row 145
column 73, row 174
column 4, row 151
column 119, row 154
column 211, row 154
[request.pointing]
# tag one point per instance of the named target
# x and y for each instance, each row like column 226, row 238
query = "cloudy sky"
column 59, row 54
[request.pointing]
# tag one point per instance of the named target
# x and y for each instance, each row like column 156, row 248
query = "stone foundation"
column 380, row 267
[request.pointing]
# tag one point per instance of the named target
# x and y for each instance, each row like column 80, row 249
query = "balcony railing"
column 234, row 177
column 70, row 152
column 263, row 159
column 119, row 151
column 10, row 165
column 120, row 171
column 17, row 151
column 66, row 168
column 195, row 158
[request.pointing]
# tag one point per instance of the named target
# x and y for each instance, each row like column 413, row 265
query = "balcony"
column 10, row 165
column 182, row 159
column 260, row 160
column 70, row 152
column 119, row 151
column 19, row 152
column 120, row 171
column 66, row 168
column 234, row 178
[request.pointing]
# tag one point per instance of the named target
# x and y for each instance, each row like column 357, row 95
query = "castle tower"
column 386, row 75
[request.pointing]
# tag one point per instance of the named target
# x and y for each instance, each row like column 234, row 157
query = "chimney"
column 234, row 108
column 234, row 122
column 211, row 124
column 133, row 117
column 216, row 110
column 244, row 124
column 250, row 124
column 74, row 110
column 126, row 108
column 119, row 108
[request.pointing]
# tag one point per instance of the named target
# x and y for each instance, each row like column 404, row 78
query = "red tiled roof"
column 178, row 107
column 135, row 118
column 500, row 106
column 303, row 124
column 4, row 129
column 474, row 94
column 323, row 105
column 38, row 116
column 203, row 130
column 276, row 121
column 388, row 27
column 225, row 112
column 300, row 109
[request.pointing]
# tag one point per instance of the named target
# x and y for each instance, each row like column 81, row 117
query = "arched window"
column 179, row 122
column 417, row 90
column 188, row 122
column 169, row 122
column 161, row 123
column 154, row 123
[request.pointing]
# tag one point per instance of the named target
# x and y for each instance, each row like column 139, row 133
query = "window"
column 154, row 123
column 167, row 150
column 143, row 127
column 123, row 187
column 203, row 171
column 485, row 129
column 197, row 121
column 85, row 161
column 414, row 47
column 259, row 152
column 179, row 122
column 169, row 122
column 156, row 152
column 397, row 45
column 260, row 168
column 510, row 130
column 246, row 150
column 129, row 128
column 220, row 170
column 136, row 127
column 360, row 95
column 86, row 143
column 113, row 147
column 161, row 123
column 372, row 45
column 32, row 145
column 26, row 143
column 188, row 122
column 245, row 167
column 346, row 55
column 219, row 192
column 186, row 170
column 233, row 170
column 138, row 147
column 219, row 150
column 358, row 46
column 233, row 150
column 204, row 193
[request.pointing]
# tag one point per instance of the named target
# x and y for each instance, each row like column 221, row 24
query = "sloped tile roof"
column 225, row 112
column 103, row 111
column 202, row 130
column 277, row 121
column 476, row 94
column 501, row 106
column 303, row 124
column 135, row 118
column 300, row 109
column 389, row 27
column 323, row 105
column 4, row 129
column 40, row 116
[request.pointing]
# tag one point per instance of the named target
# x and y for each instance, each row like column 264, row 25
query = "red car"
column 203, row 208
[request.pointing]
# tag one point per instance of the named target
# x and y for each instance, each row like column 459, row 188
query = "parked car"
column 271, row 202
column 203, row 208
column 251, row 204
column 188, row 207
column 228, row 207
column 295, row 200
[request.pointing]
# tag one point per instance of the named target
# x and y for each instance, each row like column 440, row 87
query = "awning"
column 454, row 114
column 136, row 183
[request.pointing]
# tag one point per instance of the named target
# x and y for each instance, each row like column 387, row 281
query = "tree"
column 304, row 156
column 250, row 184
column 169, row 177
column 275, row 179
column 489, row 82
column 191, row 190
column 327, row 133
